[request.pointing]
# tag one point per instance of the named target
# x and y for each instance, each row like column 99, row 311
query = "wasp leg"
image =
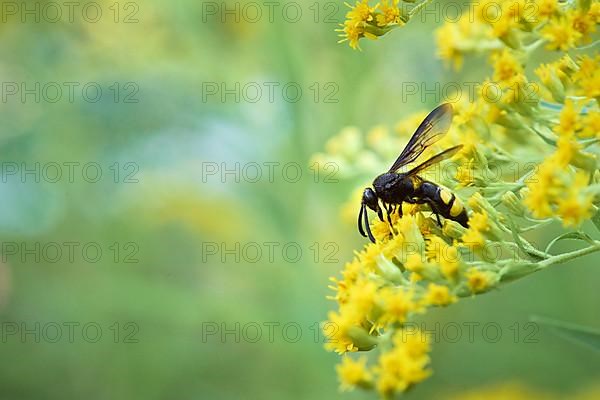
column 399, row 207
column 389, row 210
column 434, row 210
column 379, row 213
column 431, row 204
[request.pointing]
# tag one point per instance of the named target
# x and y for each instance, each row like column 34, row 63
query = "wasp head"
column 369, row 198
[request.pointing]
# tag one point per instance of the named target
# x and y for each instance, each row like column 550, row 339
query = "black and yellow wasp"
column 393, row 188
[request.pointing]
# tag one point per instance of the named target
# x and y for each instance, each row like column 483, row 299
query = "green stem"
column 417, row 9
column 534, row 46
column 561, row 258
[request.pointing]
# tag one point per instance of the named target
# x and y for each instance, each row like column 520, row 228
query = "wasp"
column 394, row 188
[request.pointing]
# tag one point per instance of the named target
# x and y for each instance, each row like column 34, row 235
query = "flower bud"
column 512, row 202
column 511, row 39
column 586, row 161
column 453, row 229
column 361, row 338
column 511, row 120
column 516, row 270
column 479, row 203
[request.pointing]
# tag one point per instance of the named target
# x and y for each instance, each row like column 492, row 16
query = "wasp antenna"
column 360, row 220
column 367, row 227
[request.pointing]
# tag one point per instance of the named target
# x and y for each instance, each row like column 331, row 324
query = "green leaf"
column 545, row 138
column 570, row 235
column 582, row 335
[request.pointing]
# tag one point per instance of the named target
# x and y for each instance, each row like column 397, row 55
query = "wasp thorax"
column 392, row 187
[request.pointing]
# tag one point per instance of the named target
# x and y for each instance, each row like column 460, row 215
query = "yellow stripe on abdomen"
column 457, row 208
column 446, row 196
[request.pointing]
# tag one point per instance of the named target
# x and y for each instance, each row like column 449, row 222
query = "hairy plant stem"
column 561, row 258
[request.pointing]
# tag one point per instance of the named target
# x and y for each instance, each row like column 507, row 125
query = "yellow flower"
column 546, row 175
column 351, row 270
column 566, row 149
column 478, row 224
column 351, row 274
column 479, row 221
column 381, row 230
column 560, row 34
column 547, row 8
column 439, row 295
column 594, row 12
column 503, row 27
column 568, row 123
column 448, row 39
column 412, row 343
column 588, row 76
column 573, row 210
column 352, row 373
column 537, row 200
column 583, row 23
column 576, row 206
column 405, row 364
column 390, row 13
column 464, row 173
column 336, row 331
column 396, row 304
column 591, row 125
column 518, row 91
column 478, row 281
column 361, row 298
column 361, row 12
column 473, row 238
column 587, row 67
column 388, row 383
column 407, row 226
column 414, row 263
column 352, row 31
column 450, row 262
column 368, row 256
column 590, row 86
column 435, row 248
column 507, row 69
column 394, row 247
column 550, row 75
column 545, row 72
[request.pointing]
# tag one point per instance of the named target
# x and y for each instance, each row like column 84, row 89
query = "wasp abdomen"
column 445, row 203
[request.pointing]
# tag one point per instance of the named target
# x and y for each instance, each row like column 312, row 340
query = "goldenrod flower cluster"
column 519, row 25
column 529, row 159
column 371, row 21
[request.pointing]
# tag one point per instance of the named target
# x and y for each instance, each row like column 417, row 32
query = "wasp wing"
column 433, row 127
column 434, row 160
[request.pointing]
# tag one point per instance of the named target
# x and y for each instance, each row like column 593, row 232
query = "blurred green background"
column 158, row 292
